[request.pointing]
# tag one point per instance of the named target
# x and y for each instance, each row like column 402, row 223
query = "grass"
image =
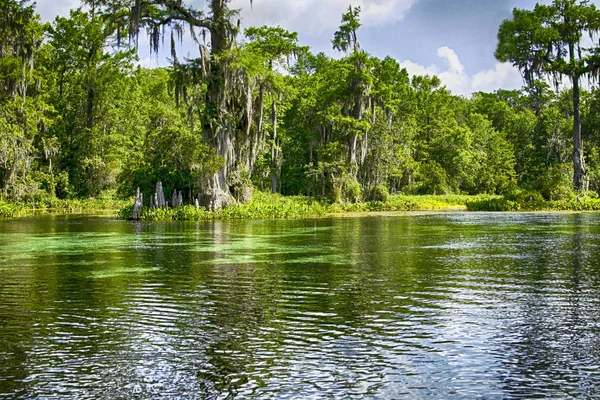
column 72, row 206
column 409, row 203
column 10, row 210
column 76, row 206
column 262, row 206
column 273, row 206
column 515, row 205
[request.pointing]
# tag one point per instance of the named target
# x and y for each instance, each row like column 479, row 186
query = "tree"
column 93, row 94
column 168, row 147
column 346, row 37
column 23, row 111
column 357, row 100
column 273, row 47
column 228, row 96
column 547, row 42
column 389, row 159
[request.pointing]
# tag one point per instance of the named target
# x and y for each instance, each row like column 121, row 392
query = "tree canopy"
column 257, row 110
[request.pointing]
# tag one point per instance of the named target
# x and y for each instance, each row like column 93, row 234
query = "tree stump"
column 137, row 206
column 159, row 196
column 175, row 199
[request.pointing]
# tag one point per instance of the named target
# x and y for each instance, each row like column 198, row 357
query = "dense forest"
column 79, row 118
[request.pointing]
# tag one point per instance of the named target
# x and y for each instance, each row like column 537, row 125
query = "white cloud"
column 452, row 58
column 455, row 78
column 148, row 62
column 49, row 9
column 318, row 16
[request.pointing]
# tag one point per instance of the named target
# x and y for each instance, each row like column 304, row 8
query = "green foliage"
column 171, row 149
column 10, row 210
column 76, row 206
column 554, row 183
column 24, row 114
column 262, row 206
column 535, row 204
column 547, row 42
column 346, row 37
column 274, row 206
column 350, row 190
column 396, row 203
column 79, row 121
column 432, row 179
column 380, row 193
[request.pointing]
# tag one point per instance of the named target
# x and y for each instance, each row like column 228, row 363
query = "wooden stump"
column 137, row 206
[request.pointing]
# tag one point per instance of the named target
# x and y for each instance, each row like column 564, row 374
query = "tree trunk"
column 357, row 114
column 9, row 177
column 273, row 182
column 90, row 108
column 216, row 131
column 578, row 162
column 353, row 139
column 274, row 150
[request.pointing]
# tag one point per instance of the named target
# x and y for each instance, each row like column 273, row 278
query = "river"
column 451, row 305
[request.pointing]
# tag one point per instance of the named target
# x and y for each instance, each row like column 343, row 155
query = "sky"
column 453, row 39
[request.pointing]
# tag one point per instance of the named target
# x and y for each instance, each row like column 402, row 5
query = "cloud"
column 452, row 58
column 318, row 16
column 456, row 79
column 148, row 62
column 50, row 9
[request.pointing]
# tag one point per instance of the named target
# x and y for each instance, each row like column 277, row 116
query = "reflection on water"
column 426, row 306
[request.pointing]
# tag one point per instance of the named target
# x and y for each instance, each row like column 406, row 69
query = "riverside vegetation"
column 265, row 205
column 82, row 125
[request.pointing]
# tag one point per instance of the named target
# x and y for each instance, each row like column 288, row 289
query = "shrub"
column 432, row 179
column 555, row 183
column 379, row 193
column 10, row 210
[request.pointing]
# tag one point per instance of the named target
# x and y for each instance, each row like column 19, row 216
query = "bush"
column 379, row 193
column 10, row 210
column 533, row 201
column 351, row 190
column 262, row 206
column 432, row 179
column 555, row 183
column 522, row 196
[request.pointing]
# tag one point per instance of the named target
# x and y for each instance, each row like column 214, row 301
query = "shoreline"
column 267, row 206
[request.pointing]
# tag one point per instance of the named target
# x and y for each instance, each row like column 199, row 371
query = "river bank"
column 72, row 206
column 274, row 206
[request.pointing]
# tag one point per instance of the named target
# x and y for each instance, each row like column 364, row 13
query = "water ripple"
column 448, row 306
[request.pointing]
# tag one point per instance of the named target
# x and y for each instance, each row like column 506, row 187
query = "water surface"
column 409, row 306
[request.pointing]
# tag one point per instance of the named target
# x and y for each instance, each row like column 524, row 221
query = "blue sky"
column 454, row 39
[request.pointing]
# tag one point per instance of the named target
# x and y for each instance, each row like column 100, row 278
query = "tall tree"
column 228, row 95
column 91, row 93
column 274, row 47
column 22, row 109
column 359, row 83
column 548, row 42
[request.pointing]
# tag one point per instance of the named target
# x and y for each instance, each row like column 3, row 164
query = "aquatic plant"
column 275, row 206
column 534, row 204
column 262, row 206
column 10, row 210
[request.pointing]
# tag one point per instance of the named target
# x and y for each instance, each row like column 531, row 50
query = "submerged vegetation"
column 256, row 111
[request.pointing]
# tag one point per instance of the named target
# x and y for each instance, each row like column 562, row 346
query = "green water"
column 420, row 306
